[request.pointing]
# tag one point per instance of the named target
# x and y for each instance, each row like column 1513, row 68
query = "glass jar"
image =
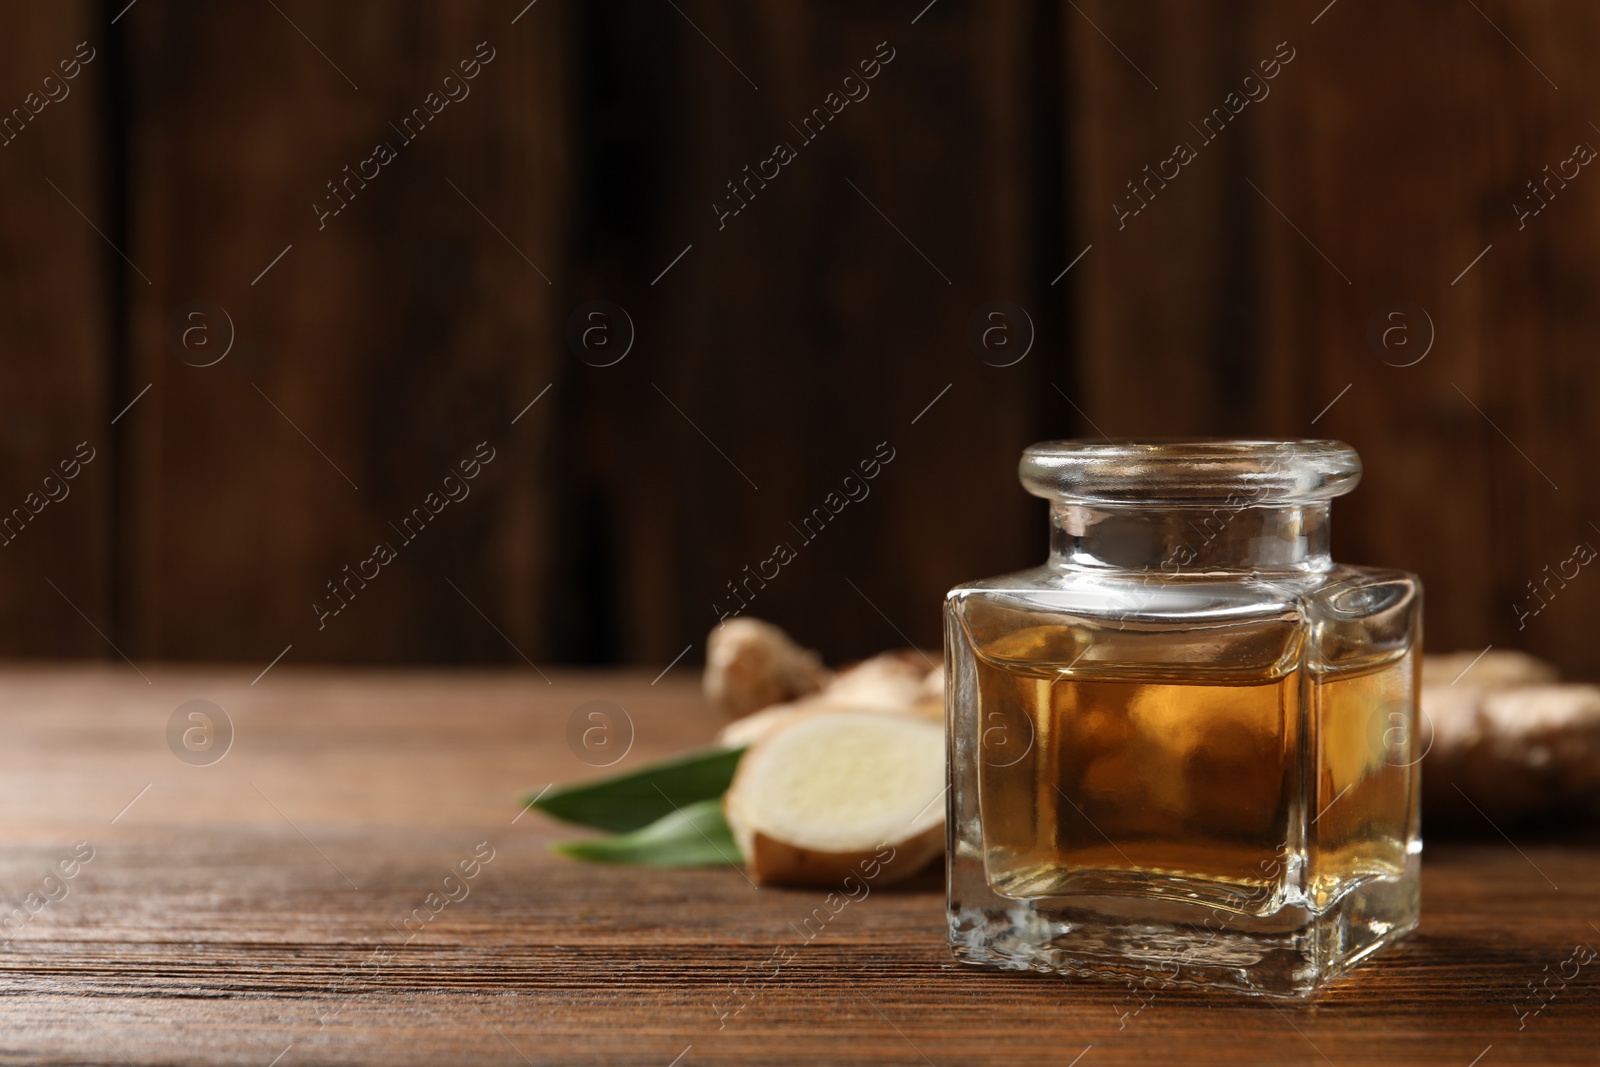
column 1184, row 749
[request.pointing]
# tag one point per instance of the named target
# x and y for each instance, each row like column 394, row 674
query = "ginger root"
column 752, row 664
column 844, row 771
column 1508, row 741
column 1495, row 669
column 825, row 793
column 835, row 758
column 898, row 683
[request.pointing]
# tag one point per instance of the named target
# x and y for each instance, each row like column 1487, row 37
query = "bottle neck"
column 1191, row 539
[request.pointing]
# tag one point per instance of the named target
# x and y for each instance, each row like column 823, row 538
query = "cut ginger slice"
column 818, row 799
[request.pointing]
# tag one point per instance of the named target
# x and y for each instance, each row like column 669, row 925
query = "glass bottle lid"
column 1189, row 471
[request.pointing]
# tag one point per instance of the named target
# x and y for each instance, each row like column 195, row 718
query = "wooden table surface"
column 253, row 911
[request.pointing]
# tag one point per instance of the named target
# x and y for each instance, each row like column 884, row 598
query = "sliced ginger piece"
column 891, row 680
column 751, row 664
column 758, row 725
column 820, row 797
column 900, row 683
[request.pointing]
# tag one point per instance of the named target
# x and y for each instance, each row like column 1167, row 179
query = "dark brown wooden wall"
column 1386, row 158
column 772, row 350
column 56, row 336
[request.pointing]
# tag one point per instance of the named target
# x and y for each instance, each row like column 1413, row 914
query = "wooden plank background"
column 775, row 351
column 1384, row 160
column 56, row 338
column 389, row 341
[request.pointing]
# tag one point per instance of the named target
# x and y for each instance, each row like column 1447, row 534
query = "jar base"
column 1291, row 954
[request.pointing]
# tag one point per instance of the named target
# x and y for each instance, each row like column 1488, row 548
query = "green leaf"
column 694, row 836
column 638, row 798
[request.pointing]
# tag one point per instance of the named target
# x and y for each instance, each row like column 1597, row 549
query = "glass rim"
column 1189, row 471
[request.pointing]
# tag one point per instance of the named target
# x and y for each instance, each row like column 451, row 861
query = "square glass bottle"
column 1183, row 750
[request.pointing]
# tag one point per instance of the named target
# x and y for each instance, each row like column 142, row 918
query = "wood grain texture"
column 56, row 380
column 821, row 321
column 791, row 339
column 1430, row 160
column 1387, row 155
column 231, row 914
column 394, row 335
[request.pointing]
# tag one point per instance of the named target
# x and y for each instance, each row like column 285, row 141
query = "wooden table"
column 253, row 911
